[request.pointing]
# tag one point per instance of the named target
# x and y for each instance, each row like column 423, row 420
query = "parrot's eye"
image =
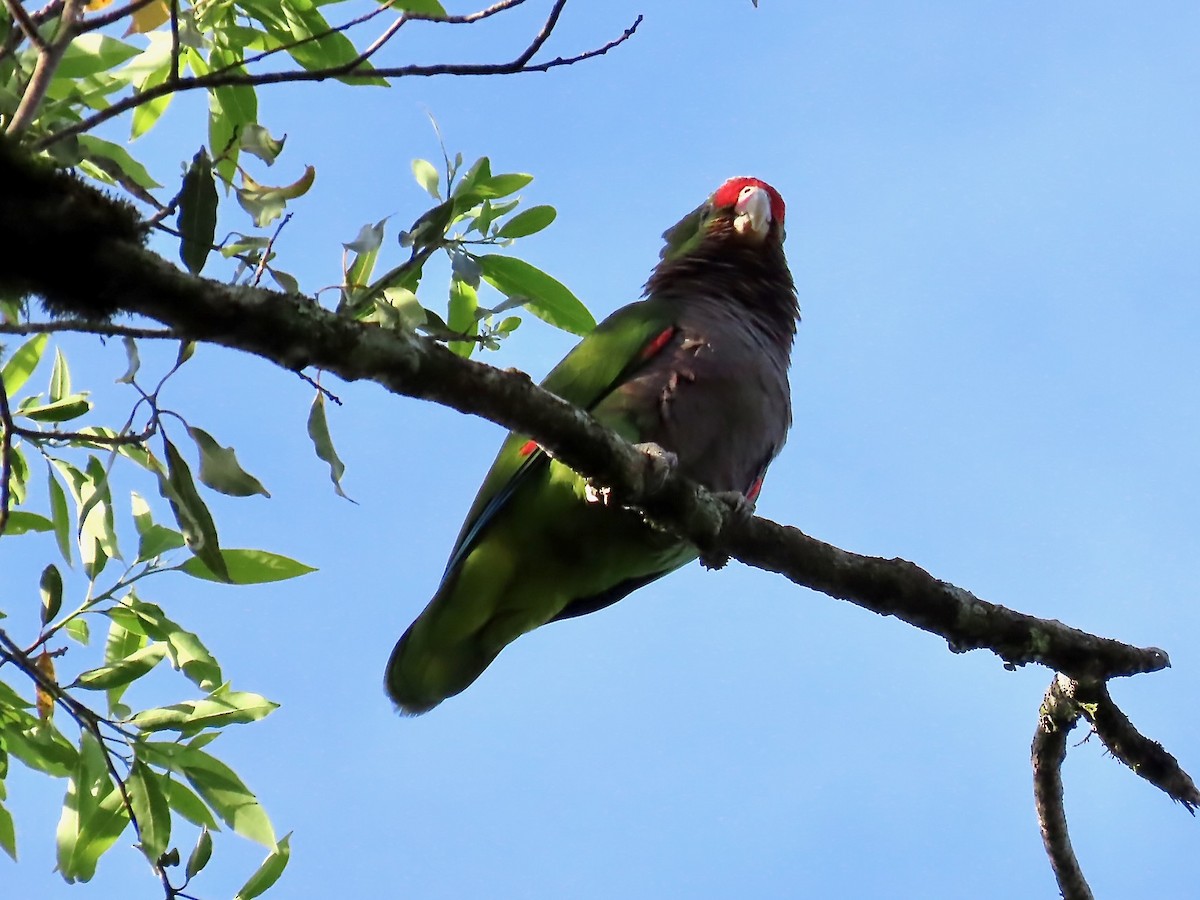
column 746, row 192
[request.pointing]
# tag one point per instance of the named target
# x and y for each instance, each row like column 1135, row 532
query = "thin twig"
column 49, row 56
column 328, row 394
column 92, row 23
column 87, row 326
column 266, row 253
column 192, row 83
column 120, row 440
column 27, row 24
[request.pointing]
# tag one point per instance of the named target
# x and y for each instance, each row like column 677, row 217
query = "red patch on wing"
column 658, row 343
column 527, row 448
column 755, row 489
column 727, row 195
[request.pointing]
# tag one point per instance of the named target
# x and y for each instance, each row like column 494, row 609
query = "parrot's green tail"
column 418, row 678
column 458, row 635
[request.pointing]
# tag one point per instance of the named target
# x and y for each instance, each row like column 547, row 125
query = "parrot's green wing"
column 601, row 361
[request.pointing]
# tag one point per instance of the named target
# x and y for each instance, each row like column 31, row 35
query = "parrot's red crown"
column 727, row 195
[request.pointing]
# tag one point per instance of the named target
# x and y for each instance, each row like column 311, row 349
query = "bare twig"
column 325, row 392
column 87, row 326
column 518, row 65
column 266, row 253
column 1055, row 721
column 118, row 440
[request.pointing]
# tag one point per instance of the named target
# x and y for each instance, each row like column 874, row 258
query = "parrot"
column 698, row 370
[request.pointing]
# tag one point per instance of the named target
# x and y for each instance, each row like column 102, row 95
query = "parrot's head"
column 745, row 210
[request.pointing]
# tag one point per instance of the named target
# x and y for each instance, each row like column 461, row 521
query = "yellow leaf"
column 45, row 701
column 98, row 4
column 147, row 18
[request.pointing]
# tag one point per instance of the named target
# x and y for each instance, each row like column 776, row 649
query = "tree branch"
column 295, row 333
column 1057, row 717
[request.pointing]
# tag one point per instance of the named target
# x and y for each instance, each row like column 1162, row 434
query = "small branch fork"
column 1065, row 702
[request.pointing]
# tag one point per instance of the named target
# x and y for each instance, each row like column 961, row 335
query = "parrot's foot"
column 661, row 463
column 740, row 511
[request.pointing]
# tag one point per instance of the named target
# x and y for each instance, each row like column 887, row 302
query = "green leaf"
column 200, row 854
column 22, row 363
column 219, row 468
column 59, row 411
column 123, row 671
column 18, row 476
column 298, row 31
column 250, row 567
column 427, row 177
column 501, row 185
column 98, row 833
column 543, row 295
column 61, row 515
column 318, row 431
column 268, row 873
column 99, row 150
column 20, row 522
column 135, row 361
column 357, row 275
column 404, row 309
column 154, row 539
column 91, row 54
column 461, row 318
column 8, row 835
column 221, row 708
column 193, row 516
column 150, row 808
column 186, row 650
column 120, row 643
column 257, row 141
column 184, row 801
column 228, row 796
column 197, row 220
column 231, row 108
column 147, row 114
column 78, row 631
column 60, row 377
column 98, row 536
column 93, row 815
column 528, row 222
column 37, row 744
column 51, row 586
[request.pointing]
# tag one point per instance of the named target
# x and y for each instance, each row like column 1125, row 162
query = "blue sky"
column 993, row 222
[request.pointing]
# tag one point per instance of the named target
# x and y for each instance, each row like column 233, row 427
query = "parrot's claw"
column 740, row 510
column 593, row 494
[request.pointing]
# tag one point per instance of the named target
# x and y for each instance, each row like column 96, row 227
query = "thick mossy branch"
column 83, row 252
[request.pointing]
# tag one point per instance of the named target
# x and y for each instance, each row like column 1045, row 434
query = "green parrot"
column 698, row 368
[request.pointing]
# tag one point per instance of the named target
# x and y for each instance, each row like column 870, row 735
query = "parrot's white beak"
column 752, row 212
